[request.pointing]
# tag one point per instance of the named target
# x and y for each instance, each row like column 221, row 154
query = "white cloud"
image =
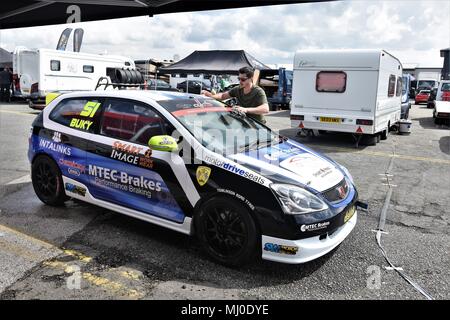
column 413, row 30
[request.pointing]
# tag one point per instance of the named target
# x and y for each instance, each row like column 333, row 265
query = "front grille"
column 337, row 193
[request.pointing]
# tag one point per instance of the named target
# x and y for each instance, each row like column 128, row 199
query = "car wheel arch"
column 216, row 194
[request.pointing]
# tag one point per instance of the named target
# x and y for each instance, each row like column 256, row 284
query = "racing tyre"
column 47, row 181
column 227, row 231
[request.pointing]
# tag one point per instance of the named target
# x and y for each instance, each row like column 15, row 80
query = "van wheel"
column 378, row 137
column 47, row 181
column 227, row 231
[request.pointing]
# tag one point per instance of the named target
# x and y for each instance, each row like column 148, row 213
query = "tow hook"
column 362, row 205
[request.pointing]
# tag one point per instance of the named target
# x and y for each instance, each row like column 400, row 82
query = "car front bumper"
column 305, row 249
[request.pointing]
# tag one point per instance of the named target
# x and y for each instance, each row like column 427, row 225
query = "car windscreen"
column 218, row 128
column 445, row 87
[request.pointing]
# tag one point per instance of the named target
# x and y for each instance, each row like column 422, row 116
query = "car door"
column 125, row 171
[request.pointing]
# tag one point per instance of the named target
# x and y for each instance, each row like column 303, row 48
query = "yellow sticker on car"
column 349, row 214
column 89, row 109
column 202, row 175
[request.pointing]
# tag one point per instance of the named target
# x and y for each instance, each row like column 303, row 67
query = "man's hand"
column 240, row 109
column 206, row 93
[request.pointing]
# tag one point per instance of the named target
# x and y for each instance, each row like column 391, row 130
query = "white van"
column 40, row 71
column 355, row 91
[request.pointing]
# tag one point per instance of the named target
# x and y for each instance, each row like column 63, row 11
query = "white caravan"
column 40, row 71
column 356, row 91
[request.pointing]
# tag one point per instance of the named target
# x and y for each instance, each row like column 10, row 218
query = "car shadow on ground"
column 428, row 123
column 115, row 240
column 327, row 139
column 444, row 145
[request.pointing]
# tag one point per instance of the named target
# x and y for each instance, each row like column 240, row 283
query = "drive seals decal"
column 202, row 175
column 234, row 169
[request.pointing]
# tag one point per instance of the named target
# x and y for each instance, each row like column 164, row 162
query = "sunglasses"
column 242, row 79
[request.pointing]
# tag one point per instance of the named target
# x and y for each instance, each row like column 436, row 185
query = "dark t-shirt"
column 254, row 98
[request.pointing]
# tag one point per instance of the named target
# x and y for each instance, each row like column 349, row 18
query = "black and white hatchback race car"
column 191, row 164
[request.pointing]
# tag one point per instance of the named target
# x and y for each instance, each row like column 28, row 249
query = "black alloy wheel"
column 47, row 181
column 227, row 231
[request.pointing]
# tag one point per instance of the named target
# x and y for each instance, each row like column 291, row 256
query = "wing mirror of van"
column 163, row 143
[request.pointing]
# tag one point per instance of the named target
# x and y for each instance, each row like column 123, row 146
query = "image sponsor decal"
column 234, row 169
column 75, row 189
column 132, row 154
column 56, row 147
column 238, row 196
column 279, row 248
column 72, row 164
column 202, row 175
column 123, row 181
column 349, row 214
column 314, row 226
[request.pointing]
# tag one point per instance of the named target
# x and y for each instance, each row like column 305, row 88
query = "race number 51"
column 90, row 109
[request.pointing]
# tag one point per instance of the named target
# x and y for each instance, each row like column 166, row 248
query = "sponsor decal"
column 74, row 172
column 279, row 248
column 238, row 196
column 314, row 226
column 349, row 214
column 56, row 147
column 234, row 169
column 75, row 189
column 57, row 137
column 72, row 164
column 123, row 181
column 322, row 172
column 132, row 154
column 202, row 175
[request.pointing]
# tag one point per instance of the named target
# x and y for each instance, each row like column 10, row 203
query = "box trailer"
column 354, row 91
column 40, row 71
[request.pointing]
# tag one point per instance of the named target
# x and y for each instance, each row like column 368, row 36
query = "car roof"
column 155, row 95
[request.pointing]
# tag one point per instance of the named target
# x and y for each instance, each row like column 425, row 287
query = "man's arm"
column 261, row 109
column 217, row 96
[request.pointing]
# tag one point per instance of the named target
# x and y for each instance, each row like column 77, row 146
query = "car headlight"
column 347, row 173
column 296, row 200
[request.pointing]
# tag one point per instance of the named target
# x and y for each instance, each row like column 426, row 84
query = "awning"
column 26, row 13
column 214, row 62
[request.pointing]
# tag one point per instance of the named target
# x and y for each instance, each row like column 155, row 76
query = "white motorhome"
column 355, row 91
column 40, row 71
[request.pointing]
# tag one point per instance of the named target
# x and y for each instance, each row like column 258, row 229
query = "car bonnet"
column 293, row 162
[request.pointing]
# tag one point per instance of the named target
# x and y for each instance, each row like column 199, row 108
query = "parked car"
column 277, row 84
column 422, row 96
column 158, row 84
column 195, row 86
column 441, row 112
column 158, row 157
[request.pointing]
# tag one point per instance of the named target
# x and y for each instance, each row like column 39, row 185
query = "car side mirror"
column 163, row 143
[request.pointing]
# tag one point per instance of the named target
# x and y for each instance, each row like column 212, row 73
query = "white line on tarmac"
column 24, row 179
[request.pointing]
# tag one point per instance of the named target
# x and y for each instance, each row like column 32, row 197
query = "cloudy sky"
column 412, row 30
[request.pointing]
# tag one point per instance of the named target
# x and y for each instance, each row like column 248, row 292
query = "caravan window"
column 55, row 65
column 331, row 81
column 398, row 92
column 391, row 87
column 88, row 69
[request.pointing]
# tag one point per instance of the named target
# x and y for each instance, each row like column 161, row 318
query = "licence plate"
column 349, row 214
column 328, row 119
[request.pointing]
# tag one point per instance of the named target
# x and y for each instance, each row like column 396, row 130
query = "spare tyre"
column 128, row 76
column 121, row 76
column 134, row 76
